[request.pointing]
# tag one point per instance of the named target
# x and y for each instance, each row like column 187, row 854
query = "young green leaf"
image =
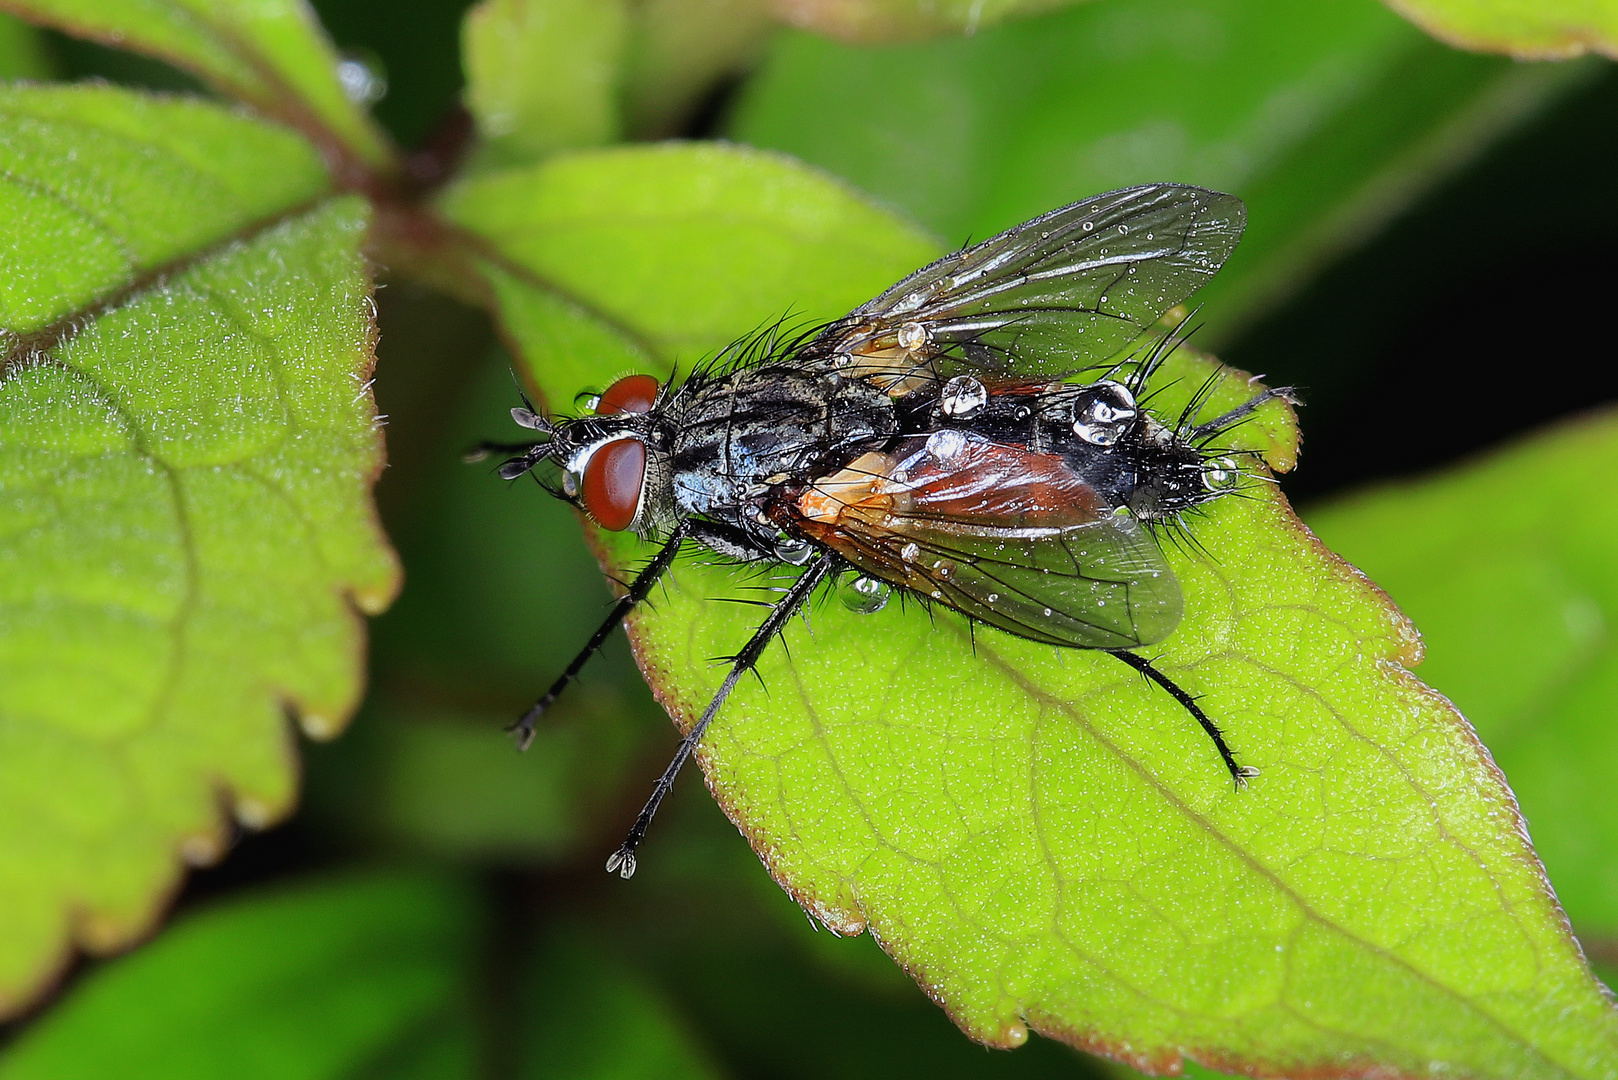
column 872, row 21
column 269, row 53
column 1526, row 29
column 102, row 186
column 1516, row 597
column 1325, row 118
column 1047, row 843
column 675, row 249
column 312, row 982
column 185, row 464
column 542, row 75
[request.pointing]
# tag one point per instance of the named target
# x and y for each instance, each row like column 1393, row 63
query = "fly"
column 930, row 441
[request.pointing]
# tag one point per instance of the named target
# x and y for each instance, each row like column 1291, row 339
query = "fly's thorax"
column 740, row 436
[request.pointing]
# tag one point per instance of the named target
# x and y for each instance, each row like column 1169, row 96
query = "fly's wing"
column 1012, row 538
column 1055, row 295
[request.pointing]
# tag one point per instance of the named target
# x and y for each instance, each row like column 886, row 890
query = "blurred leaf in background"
column 1526, row 29
column 319, row 979
column 1325, row 118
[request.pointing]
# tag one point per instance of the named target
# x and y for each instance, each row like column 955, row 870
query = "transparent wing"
column 1012, row 538
column 1063, row 292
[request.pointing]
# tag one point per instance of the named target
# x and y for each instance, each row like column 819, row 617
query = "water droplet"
column 962, row 396
column 1089, row 225
column 789, row 549
column 1103, row 416
column 362, row 79
column 865, row 595
column 937, row 595
column 909, row 553
column 1047, row 612
column 1220, row 475
column 946, row 445
column 913, row 335
column 993, row 598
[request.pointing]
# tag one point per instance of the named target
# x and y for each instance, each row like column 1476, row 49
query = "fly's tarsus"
column 623, row 860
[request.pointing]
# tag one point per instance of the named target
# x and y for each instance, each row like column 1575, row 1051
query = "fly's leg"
column 623, row 860
column 1239, row 773
column 1228, row 420
column 523, row 729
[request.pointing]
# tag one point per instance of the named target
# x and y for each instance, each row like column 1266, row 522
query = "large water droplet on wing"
column 865, row 595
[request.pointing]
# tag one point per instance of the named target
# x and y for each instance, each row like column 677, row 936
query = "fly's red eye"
column 612, row 481
column 630, row 394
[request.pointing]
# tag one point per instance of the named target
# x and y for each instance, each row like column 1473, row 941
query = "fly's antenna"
column 529, row 455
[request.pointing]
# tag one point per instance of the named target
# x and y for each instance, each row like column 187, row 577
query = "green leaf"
column 903, row 20
column 185, row 468
column 22, row 55
column 1047, row 843
column 542, row 75
column 579, row 986
column 674, row 249
column 271, row 54
column 1517, row 598
column 99, row 186
column 1526, row 29
column 311, row 982
column 681, row 51
column 1325, row 118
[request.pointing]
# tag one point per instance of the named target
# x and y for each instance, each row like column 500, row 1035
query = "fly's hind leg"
column 623, row 860
column 1239, row 773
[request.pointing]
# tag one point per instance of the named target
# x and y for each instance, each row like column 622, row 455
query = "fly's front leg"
column 523, row 729
column 623, row 860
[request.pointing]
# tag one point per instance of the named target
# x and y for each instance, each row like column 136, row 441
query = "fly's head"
column 612, row 462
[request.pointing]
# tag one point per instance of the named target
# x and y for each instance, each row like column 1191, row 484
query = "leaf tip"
column 253, row 813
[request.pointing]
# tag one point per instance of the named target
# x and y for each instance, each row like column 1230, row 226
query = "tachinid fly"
column 930, row 440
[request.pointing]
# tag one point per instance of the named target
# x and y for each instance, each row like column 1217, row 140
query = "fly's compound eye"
column 1102, row 416
column 612, row 483
column 630, row 394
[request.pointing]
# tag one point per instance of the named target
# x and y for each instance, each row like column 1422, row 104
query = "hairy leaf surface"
column 1517, row 610
column 269, row 53
column 185, row 467
column 1047, row 843
column 99, row 186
